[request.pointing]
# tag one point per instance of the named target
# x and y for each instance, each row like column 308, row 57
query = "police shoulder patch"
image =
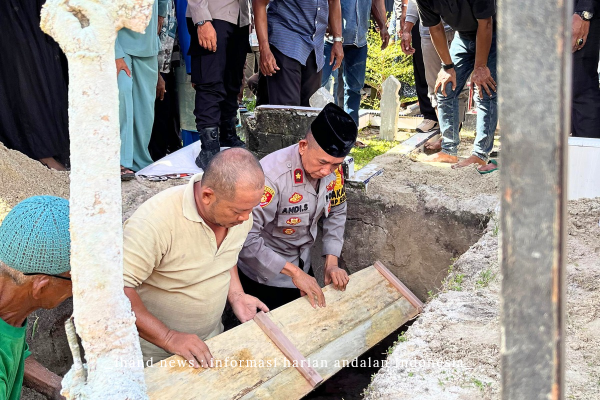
column 267, row 197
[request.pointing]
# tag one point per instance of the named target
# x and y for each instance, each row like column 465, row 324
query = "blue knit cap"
column 34, row 236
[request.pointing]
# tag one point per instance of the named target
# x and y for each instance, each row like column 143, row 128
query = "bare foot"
column 440, row 157
column 492, row 165
column 51, row 163
column 433, row 145
column 468, row 161
column 127, row 174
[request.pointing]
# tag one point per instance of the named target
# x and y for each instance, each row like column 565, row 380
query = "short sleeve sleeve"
column 428, row 17
column 142, row 251
column 483, row 9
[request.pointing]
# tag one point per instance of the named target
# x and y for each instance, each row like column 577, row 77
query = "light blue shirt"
column 142, row 44
column 356, row 18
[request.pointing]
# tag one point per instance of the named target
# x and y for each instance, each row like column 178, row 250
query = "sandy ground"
column 452, row 350
column 22, row 177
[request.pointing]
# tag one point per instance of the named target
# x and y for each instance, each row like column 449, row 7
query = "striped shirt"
column 297, row 27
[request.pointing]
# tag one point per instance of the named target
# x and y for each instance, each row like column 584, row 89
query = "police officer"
column 303, row 183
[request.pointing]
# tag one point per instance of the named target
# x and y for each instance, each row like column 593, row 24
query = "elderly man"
column 180, row 254
column 290, row 39
column 303, row 183
column 34, row 273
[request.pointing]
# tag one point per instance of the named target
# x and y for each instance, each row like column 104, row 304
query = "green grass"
column 375, row 147
column 485, row 277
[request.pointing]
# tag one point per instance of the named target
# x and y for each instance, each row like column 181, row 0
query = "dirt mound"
column 21, row 177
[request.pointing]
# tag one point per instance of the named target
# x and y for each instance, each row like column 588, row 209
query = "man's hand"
column 309, row 287
column 268, row 64
column 190, row 347
column 122, row 66
column 385, row 37
column 161, row 20
column 244, row 306
column 444, row 77
column 160, row 88
column 483, row 79
column 406, row 42
column 337, row 276
column 207, row 36
column 337, row 54
column 581, row 29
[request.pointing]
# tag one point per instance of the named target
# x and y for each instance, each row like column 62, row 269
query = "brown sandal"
column 127, row 174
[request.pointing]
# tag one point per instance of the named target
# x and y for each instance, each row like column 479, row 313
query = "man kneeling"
column 180, row 254
column 34, row 273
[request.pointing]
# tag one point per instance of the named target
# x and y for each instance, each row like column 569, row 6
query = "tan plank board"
column 368, row 292
column 287, row 348
column 290, row 385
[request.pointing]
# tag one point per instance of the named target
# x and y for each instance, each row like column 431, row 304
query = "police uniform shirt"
column 285, row 222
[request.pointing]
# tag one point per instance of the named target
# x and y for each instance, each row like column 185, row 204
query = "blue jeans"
column 463, row 56
column 354, row 65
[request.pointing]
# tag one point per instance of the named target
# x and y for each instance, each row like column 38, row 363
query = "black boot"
column 228, row 134
column 210, row 145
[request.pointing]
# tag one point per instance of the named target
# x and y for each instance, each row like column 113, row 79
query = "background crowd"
column 281, row 52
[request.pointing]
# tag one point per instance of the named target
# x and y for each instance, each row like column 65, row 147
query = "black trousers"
column 272, row 296
column 585, row 118
column 218, row 75
column 165, row 131
column 420, row 82
column 293, row 84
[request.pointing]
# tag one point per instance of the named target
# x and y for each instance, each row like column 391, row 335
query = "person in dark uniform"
column 303, row 183
column 585, row 118
column 219, row 32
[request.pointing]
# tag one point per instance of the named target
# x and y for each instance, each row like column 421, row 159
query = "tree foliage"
column 383, row 63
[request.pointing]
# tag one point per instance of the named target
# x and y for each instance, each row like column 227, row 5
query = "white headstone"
column 321, row 98
column 390, row 107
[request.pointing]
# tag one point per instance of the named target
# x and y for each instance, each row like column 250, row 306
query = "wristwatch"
column 200, row 23
column 585, row 15
column 338, row 39
column 448, row 66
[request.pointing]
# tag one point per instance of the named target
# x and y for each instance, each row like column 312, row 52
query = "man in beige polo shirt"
column 180, row 254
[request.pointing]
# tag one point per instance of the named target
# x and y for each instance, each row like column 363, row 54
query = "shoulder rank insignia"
column 289, row 231
column 296, row 198
column 298, row 176
column 293, row 221
column 267, row 197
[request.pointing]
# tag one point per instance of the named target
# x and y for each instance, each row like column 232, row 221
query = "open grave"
column 437, row 230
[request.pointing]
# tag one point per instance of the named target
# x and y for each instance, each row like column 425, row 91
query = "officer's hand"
column 190, row 347
column 244, row 306
column 337, row 276
column 308, row 286
column 207, row 36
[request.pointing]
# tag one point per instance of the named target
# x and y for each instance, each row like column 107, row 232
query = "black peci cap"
column 334, row 130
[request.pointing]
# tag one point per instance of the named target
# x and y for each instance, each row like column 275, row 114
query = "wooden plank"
column 288, row 385
column 258, row 361
column 410, row 296
column 287, row 348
